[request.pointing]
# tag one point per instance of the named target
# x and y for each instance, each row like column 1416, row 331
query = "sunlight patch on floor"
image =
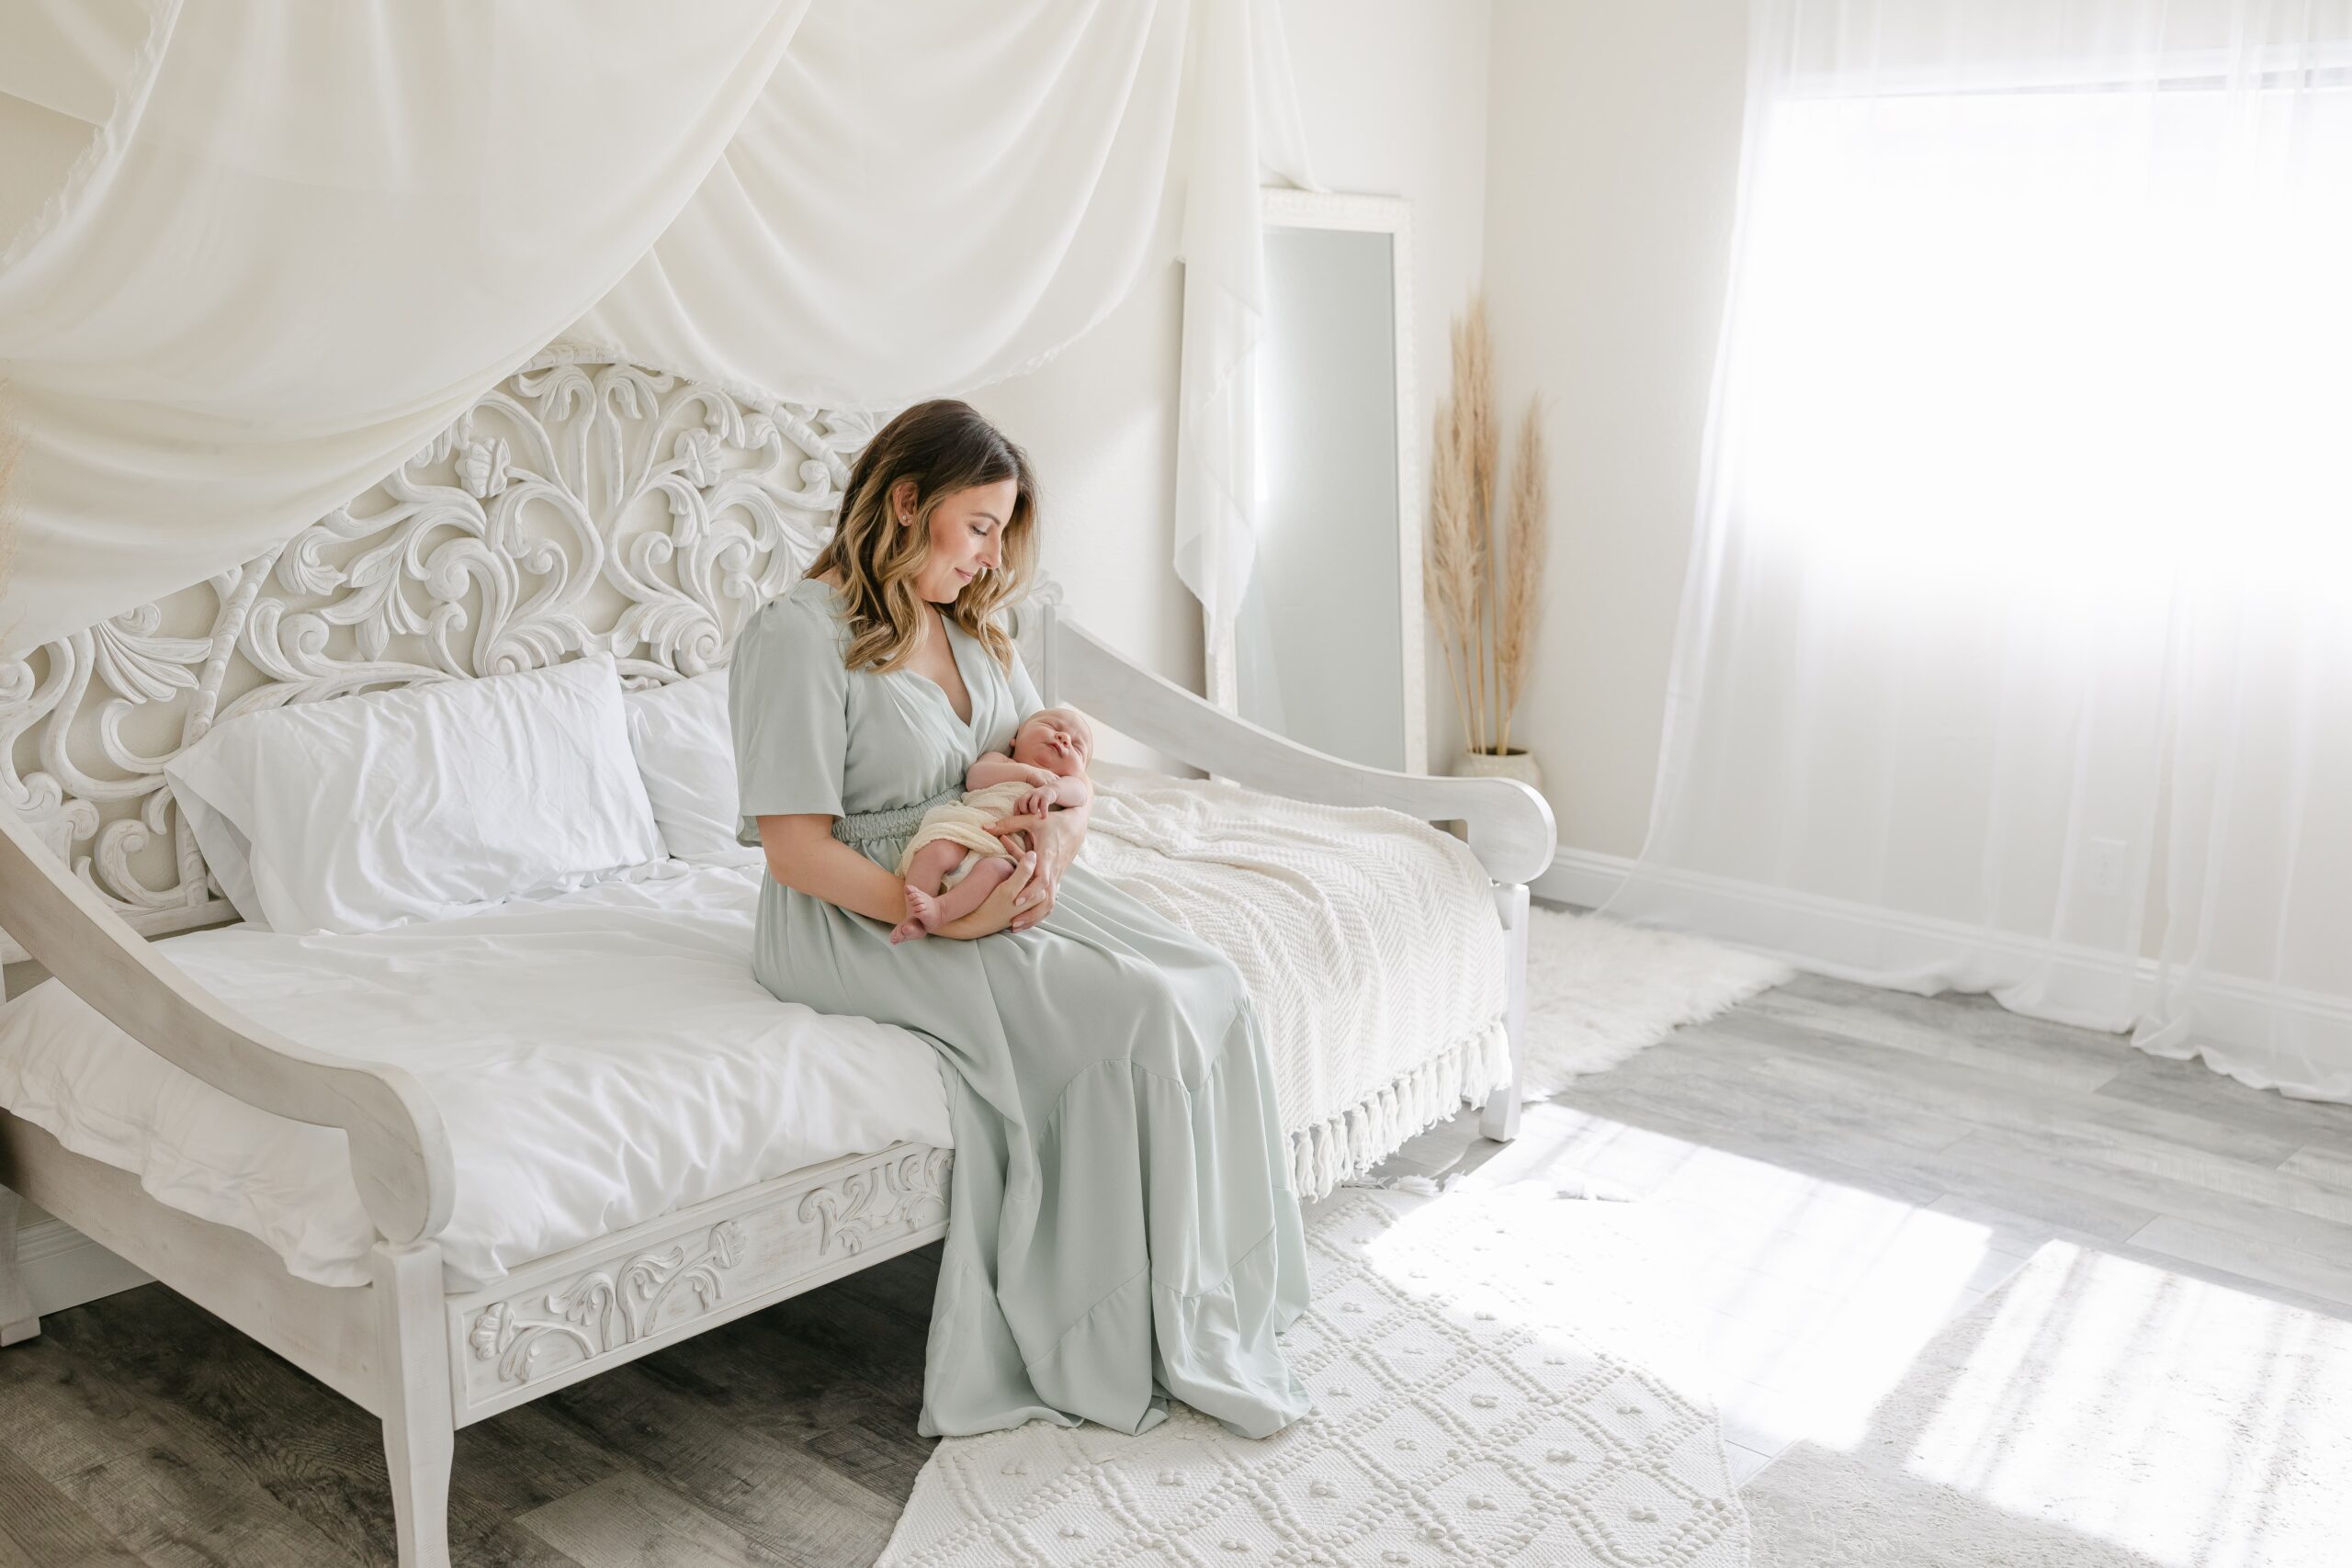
column 2172, row 1416
column 1816, row 1295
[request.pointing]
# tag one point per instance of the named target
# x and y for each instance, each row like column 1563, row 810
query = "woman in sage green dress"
column 1122, row 1227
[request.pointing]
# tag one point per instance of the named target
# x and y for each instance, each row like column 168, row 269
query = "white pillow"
column 686, row 752
column 366, row 811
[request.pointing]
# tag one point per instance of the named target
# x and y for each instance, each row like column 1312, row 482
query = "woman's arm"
column 1057, row 835
column 803, row 854
column 1007, row 908
column 1064, row 830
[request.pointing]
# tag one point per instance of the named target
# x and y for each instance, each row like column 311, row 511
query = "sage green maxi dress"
column 1121, row 1214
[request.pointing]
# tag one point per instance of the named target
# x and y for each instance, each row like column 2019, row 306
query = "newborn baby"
column 953, row 863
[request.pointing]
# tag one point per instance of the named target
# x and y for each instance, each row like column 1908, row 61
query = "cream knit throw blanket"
column 1369, row 941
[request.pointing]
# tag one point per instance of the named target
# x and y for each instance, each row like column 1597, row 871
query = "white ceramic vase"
column 1516, row 763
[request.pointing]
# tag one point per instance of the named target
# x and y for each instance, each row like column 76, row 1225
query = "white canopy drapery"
column 256, row 257
column 251, row 258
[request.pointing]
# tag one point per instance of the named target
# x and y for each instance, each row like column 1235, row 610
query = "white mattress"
column 603, row 1056
column 599, row 1057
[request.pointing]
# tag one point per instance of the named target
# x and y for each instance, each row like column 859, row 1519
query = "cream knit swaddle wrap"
column 966, row 821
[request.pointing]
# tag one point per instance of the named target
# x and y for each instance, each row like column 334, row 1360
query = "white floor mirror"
column 1327, row 648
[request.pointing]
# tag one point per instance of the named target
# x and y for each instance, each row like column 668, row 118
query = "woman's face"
column 966, row 536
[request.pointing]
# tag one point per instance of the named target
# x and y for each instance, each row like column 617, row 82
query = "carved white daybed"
column 583, row 506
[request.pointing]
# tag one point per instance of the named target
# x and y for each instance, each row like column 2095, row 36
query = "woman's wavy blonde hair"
column 943, row 446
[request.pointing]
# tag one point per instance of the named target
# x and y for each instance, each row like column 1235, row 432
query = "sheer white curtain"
column 2016, row 652
column 253, row 256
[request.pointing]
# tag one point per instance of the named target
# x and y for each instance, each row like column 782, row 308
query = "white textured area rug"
column 1500, row 1376
column 2092, row 1413
column 1598, row 992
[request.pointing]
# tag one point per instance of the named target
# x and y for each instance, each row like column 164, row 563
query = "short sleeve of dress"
column 788, row 705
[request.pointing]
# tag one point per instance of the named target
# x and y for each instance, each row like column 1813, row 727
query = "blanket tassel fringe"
column 1326, row 1154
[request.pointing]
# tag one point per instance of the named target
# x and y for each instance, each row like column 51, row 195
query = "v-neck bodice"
column 903, row 742
column 956, row 640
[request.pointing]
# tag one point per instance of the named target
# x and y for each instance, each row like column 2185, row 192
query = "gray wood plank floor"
column 1848, row 1169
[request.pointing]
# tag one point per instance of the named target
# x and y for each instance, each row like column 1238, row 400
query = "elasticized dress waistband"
column 899, row 822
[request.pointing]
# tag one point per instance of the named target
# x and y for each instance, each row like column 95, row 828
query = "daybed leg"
column 1500, row 1122
column 17, row 1323
column 420, row 1423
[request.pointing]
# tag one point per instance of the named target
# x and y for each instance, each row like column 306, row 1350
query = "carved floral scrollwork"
column 584, row 504
column 605, row 1309
column 897, row 1195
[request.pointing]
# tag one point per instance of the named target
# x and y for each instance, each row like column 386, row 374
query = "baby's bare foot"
column 922, row 916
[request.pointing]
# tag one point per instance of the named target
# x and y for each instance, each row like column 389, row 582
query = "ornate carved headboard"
column 584, row 504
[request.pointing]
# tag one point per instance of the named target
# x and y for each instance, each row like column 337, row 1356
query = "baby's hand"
column 1038, row 801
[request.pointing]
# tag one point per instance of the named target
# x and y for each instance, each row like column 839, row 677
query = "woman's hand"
column 1057, row 835
column 996, row 911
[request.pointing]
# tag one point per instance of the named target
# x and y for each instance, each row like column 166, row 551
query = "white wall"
column 1612, row 160
column 1099, row 423
column 1583, row 156
column 1393, row 94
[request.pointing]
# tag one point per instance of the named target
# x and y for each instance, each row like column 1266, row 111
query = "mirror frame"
column 1283, row 209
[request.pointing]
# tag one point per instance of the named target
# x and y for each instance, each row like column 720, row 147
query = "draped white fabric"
column 251, row 258
column 921, row 204
column 293, row 242
column 2015, row 653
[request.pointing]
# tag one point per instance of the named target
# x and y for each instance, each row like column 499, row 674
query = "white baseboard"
column 1869, row 942
column 65, row 1269
column 2235, row 1015
column 1582, row 877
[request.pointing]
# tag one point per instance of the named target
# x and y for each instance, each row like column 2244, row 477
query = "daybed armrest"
column 400, row 1154
column 1511, row 824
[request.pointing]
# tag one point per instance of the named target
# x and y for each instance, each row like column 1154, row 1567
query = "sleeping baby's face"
column 1055, row 739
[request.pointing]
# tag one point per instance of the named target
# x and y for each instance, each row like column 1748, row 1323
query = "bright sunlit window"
column 2103, row 335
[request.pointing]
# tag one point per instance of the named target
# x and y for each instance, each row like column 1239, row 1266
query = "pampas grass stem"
column 1487, row 623
column 1529, row 545
column 1449, row 583
column 1482, row 442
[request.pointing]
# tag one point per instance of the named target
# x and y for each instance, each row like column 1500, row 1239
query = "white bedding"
column 603, row 1056
column 1369, row 941
column 599, row 1057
